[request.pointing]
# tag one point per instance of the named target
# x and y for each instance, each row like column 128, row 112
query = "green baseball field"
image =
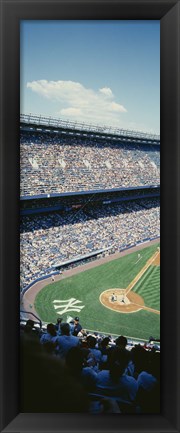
column 136, row 274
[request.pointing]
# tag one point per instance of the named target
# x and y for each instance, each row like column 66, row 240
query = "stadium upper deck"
column 48, row 124
column 59, row 157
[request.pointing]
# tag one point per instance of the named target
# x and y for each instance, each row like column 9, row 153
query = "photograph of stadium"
column 90, row 216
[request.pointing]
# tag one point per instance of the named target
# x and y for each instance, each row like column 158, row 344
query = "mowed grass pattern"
column 148, row 287
column 87, row 287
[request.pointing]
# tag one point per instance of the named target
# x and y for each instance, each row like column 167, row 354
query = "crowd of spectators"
column 65, row 371
column 49, row 239
column 65, row 368
column 54, row 164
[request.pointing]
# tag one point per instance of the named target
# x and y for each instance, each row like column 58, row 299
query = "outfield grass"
column 87, row 287
column 148, row 285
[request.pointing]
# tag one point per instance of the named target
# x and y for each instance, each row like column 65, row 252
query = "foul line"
column 146, row 308
column 138, row 260
column 139, row 275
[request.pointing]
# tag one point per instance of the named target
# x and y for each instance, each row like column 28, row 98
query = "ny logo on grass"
column 67, row 305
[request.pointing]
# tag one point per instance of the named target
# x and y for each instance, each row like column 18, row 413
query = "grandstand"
column 85, row 162
column 86, row 193
column 82, row 176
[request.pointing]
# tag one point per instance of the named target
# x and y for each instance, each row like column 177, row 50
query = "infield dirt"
column 132, row 301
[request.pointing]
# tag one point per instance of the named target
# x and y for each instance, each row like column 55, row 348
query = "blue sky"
column 100, row 72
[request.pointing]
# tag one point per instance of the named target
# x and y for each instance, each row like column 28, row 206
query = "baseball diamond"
column 87, row 289
column 125, row 300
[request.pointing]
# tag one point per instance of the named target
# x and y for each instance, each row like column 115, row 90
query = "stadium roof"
column 49, row 122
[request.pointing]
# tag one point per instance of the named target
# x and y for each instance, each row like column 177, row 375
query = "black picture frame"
column 168, row 12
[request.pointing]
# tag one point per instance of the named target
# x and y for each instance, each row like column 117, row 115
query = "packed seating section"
column 48, row 239
column 54, row 164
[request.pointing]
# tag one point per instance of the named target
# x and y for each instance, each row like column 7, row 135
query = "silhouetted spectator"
column 92, row 342
column 148, row 380
column 50, row 335
column 75, row 361
column 114, row 382
column 66, row 340
column 45, row 385
column 58, row 325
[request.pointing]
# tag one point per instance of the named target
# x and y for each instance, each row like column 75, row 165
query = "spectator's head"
column 30, row 323
column 30, row 331
column 65, row 329
column 76, row 320
column 51, row 329
column 59, row 320
column 91, row 341
column 140, row 358
column 118, row 362
column 151, row 338
column 121, row 341
column 105, row 342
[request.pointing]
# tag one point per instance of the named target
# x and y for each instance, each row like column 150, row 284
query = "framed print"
column 31, row 38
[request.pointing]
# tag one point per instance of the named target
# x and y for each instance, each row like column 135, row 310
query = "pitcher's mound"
column 118, row 300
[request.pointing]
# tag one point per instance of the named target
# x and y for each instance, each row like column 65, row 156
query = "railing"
column 34, row 315
column 66, row 124
column 131, row 341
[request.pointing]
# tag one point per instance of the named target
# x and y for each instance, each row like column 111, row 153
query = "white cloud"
column 117, row 107
column 80, row 103
column 106, row 91
column 71, row 111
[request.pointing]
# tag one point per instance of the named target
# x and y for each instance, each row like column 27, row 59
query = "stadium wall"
column 87, row 192
column 68, row 202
